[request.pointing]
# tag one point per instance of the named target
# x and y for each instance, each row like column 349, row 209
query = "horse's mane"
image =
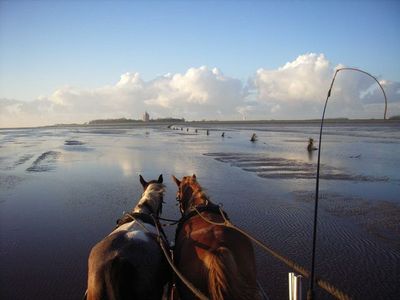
column 152, row 196
column 198, row 191
column 201, row 193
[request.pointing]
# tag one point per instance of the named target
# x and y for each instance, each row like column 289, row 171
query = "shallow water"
column 62, row 189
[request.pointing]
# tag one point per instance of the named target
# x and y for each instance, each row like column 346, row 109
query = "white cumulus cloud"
column 300, row 80
column 296, row 90
column 299, row 88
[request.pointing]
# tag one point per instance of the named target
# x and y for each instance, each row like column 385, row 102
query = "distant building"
column 146, row 117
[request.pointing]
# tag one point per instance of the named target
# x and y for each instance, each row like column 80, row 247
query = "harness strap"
column 148, row 206
column 172, row 221
column 188, row 284
column 196, row 210
column 128, row 217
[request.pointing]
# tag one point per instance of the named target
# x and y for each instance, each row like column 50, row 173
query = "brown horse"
column 218, row 260
column 129, row 263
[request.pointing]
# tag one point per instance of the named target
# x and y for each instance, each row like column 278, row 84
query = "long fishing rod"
column 310, row 292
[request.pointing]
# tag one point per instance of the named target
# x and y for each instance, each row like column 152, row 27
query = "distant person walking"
column 310, row 146
column 223, row 134
column 208, row 132
column 253, row 138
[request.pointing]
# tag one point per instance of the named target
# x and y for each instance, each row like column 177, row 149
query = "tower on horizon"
column 146, row 117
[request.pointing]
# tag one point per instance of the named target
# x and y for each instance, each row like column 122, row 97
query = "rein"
column 162, row 240
column 172, row 221
column 188, row 284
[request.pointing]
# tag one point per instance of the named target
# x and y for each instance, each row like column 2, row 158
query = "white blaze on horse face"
column 152, row 196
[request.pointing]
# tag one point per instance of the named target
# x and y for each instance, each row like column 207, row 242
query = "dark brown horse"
column 129, row 263
column 218, row 260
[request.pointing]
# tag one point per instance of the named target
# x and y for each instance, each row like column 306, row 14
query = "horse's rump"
column 126, row 268
column 218, row 260
column 224, row 278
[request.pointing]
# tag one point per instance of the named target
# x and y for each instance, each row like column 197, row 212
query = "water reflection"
column 311, row 155
column 266, row 187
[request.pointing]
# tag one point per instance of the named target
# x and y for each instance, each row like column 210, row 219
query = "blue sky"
column 46, row 45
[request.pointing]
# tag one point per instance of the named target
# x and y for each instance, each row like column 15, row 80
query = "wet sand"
column 62, row 189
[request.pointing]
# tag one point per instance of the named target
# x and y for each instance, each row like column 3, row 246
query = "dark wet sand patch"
column 187, row 133
column 101, row 131
column 45, row 162
column 23, row 159
column 282, row 168
column 8, row 182
column 380, row 218
column 288, row 175
column 76, row 146
column 73, row 143
column 271, row 162
column 277, row 168
column 306, row 175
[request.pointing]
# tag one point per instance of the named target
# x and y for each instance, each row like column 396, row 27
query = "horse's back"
column 127, row 265
column 217, row 259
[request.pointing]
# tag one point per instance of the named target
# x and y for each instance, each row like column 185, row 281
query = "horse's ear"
column 160, row 179
column 142, row 181
column 194, row 176
column 176, row 180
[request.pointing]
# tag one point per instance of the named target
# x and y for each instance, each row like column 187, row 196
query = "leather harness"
column 209, row 207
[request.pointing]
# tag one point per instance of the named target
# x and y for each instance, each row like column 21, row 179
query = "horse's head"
column 145, row 183
column 189, row 192
column 153, row 194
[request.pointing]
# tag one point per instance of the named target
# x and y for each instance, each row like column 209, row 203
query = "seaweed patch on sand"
column 282, row 168
column 45, row 162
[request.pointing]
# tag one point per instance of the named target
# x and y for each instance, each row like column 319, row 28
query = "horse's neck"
column 143, row 209
column 148, row 203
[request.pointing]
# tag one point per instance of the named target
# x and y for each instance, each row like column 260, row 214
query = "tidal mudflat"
column 62, row 189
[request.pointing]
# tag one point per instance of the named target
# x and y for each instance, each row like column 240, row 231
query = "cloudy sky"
column 75, row 61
